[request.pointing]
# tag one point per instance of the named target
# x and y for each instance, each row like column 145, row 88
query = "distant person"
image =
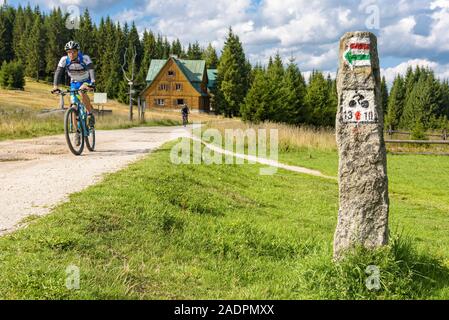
column 80, row 69
column 185, row 114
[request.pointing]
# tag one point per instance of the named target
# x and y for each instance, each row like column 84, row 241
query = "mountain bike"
column 75, row 121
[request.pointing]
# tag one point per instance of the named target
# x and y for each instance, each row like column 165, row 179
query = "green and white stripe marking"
column 358, row 52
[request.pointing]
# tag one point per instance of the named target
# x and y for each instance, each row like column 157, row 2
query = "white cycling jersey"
column 76, row 71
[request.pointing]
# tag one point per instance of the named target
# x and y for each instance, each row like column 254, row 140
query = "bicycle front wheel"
column 90, row 140
column 75, row 143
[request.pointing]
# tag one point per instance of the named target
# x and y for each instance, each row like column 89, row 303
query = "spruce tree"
column 421, row 104
column 86, row 34
column 56, row 39
column 295, row 87
column 317, row 101
column 165, row 49
column 18, row 33
column 176, row 48
column 257, row 101
column 232, row 77
column 110, row 73
column 35, row 58
column 7, row 15
column 194, row 51
column 277, row 111
column 396, row 103
column 149, row 52
column 210, row 56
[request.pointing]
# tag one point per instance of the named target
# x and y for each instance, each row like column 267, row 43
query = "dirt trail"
column 37, row 174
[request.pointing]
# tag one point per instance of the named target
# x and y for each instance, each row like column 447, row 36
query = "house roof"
column 155, row 66
column 192, row 69
column 212, row 77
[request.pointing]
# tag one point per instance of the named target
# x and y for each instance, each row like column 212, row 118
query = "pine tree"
column 165, row 49
column 176, row 48
column 256, row 106
column 7, row 15
column 396, row 103
column 149, row 52
column 54, row 47
column 210, row 56
column 35, row 59
column 194, row 51
column 110, row 50
column 85, row 36
column 18, row 33
column 421, row 104
column 319, row 112
column 232, row 77
column 277, row 109
column 100, row 46
column 295, row 87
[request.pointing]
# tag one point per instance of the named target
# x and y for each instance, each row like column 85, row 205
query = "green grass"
column 160, row 231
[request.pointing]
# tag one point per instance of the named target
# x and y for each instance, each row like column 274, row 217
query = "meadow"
column 162, row 231
column 157, row 230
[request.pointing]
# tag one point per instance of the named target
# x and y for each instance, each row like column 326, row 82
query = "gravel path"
column 37, row 174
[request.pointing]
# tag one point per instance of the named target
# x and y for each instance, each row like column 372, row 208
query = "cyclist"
column 185, row 114
column 80, row 69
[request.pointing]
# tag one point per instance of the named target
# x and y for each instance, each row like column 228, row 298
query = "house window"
column 159, row 102
column 163, row 86
column 178, row 87
column 171, row 73
column 179, row 101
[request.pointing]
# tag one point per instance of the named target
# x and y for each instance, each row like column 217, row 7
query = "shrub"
column 418, row 131
column 12, row 75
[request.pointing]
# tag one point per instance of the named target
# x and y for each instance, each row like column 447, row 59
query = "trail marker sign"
column 357, row 52
column 362, row 169
column 359, row 106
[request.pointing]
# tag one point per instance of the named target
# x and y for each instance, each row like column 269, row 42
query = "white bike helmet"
column 72, row 45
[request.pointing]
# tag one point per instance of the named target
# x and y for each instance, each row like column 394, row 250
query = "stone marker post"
column 363, row 182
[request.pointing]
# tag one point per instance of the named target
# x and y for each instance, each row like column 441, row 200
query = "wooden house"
column 174, row 82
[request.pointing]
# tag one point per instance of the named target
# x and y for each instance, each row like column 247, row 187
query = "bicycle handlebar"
column 59, row 91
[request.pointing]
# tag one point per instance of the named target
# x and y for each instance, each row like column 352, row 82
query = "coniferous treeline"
column 35, row 40
column 32, row 42
column 418, row 101
column 275, row 93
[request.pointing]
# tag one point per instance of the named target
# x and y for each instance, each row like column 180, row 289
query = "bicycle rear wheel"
column 70, row 130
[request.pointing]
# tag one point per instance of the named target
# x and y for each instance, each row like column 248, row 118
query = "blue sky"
column 413, row 32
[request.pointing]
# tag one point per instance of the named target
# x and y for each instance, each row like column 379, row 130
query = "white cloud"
column 307, row 29
column 441, row 70
column 440, row 4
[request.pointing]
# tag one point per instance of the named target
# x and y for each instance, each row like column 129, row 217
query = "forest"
column 32, row 43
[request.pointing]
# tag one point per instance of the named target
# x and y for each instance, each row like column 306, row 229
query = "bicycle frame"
column 82, row 114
